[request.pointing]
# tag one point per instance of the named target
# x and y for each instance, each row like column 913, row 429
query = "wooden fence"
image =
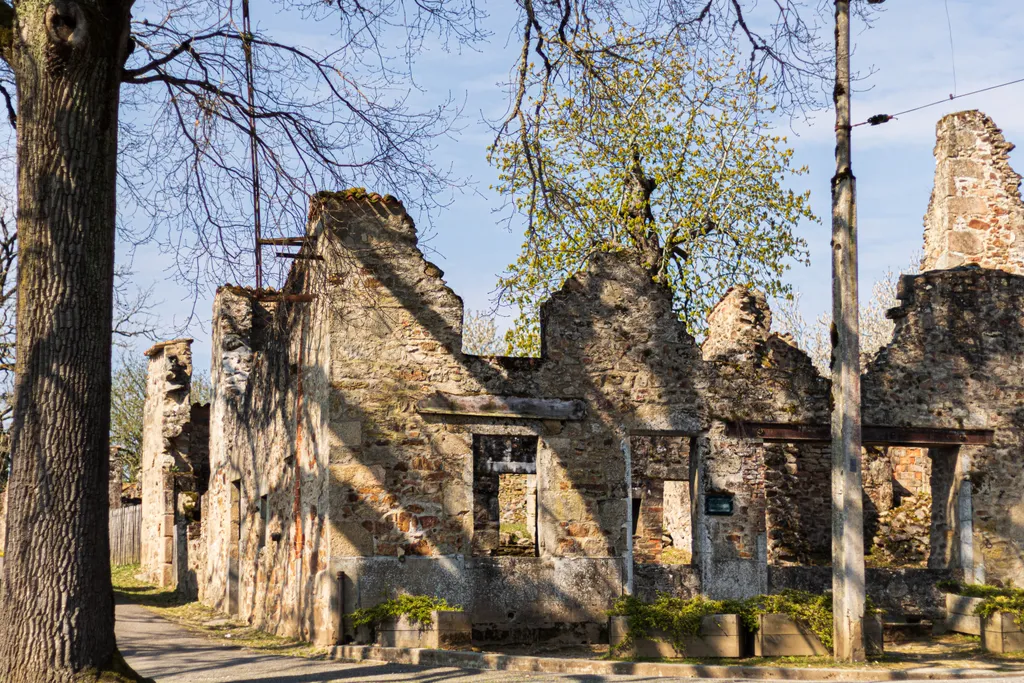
column 126, row 535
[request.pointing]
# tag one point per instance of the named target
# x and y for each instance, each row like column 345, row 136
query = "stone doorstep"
column 554, row 665
column 720, row 635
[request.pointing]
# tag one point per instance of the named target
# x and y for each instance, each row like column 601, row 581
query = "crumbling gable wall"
column 165, row 447
column 782, row 489
column 955, row 362
column 975, row 214
column 266, row 533
column 405, row 502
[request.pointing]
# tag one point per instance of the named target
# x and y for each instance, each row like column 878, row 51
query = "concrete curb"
column 554, row 665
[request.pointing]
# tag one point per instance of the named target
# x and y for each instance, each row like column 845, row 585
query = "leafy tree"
column 127, row 405
column 669, row 160
column 202, row 388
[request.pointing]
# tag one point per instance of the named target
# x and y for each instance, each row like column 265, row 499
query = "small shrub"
column 810, row 609
column 677, row 617
column 976, row 590
column 681, row 618
column 417, row 607
column 995, row 599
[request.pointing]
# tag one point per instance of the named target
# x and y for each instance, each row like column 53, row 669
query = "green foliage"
column 812, row 610
column 976, row 590
column 719, row 212
column 677, row 617
column 416, row 607
column 127, row 402
column 681, row 618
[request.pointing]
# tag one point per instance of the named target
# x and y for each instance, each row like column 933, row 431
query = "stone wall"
column 404, row 482
column 265, row 514
column 165, row 444
column 955, row 362
column 758, row 376
column 355, row 451
column 975, row 214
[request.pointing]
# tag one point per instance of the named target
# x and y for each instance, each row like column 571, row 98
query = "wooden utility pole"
column 847, row 506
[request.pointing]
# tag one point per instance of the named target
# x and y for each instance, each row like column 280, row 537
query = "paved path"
column 167, row 652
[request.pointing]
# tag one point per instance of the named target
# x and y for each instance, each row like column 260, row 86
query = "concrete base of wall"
column 446, row 630
column 960, row 616
column 552, row 665
column 721, row 635
column 1001, row 633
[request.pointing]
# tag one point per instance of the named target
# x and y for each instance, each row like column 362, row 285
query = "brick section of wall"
column 975, row 214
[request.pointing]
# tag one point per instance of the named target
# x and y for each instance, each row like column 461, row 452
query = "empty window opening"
column 911, row 496
column 637, row 500
column 661, row 500
column 505, row 495
column 234, row 547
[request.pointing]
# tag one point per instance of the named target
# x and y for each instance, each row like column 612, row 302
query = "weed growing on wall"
column 417, row 607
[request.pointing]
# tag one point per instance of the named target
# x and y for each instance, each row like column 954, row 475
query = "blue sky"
column 908, row 48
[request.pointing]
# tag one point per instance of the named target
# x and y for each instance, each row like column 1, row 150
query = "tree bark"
column 56, row 602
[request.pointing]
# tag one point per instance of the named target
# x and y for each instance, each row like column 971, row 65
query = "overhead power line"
column 879, row 119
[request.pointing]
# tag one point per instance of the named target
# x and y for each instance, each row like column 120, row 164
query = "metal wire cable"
column 879, row 119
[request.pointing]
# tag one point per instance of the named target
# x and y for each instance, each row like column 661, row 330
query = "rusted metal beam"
column 873, row 435
column 503, row 406
column 284, row 241
column 925, row 436
column 297, row 255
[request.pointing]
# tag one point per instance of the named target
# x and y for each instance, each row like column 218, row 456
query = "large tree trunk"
column 56, row 603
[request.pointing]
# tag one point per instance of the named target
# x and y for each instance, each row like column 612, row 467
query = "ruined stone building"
column 352, row 450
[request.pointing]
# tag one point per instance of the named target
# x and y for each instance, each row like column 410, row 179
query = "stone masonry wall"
column 265, row 525
column 165, row 445
column 783, row 489
column 975, row 214
column 956, row 362
column 402, row 480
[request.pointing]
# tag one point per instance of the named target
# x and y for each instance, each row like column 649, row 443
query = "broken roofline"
column 871, row 435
